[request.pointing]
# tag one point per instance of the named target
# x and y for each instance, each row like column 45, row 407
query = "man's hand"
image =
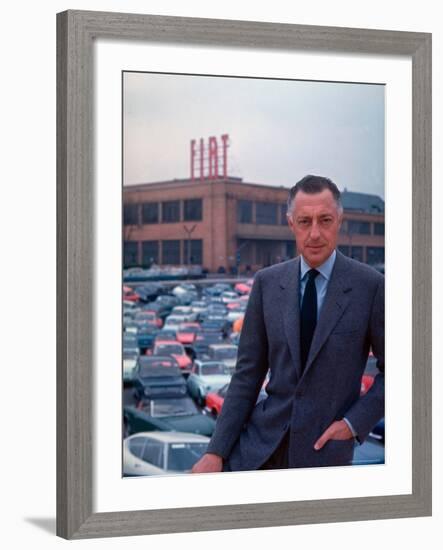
column 208, row 463
column 337, row 430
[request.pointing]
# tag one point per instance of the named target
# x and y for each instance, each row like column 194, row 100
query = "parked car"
column 174, row 349
column 187, row 332
column 227, row 353
column 173, row 322
column 148, row 317
column 229, row 296
column 129, row 363
column 242, row 288
column 199, row 306
column 207, row 376
column 215, row 400
column 156, row 453
column 370, row 452
column 157, row 375
column 178, row 414
column 165, row 334
column 148, row 292
column 130, row 342
column 183, row 288
column 129, row 295
column 145, row 337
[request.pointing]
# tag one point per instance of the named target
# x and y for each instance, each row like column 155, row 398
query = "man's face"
column 315, row 221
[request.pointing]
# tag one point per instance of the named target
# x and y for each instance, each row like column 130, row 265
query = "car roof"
column 220, row 346
column 173, row 437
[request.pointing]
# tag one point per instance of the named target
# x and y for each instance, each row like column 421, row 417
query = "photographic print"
column 253, row 273
column 209, row 165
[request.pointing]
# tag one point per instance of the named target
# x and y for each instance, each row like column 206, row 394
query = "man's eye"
column 303, row 222
column 326, row 221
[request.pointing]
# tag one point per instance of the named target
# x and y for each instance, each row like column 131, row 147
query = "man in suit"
column 310, row 325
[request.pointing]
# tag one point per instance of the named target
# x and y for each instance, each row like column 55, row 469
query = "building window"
column 283, row 216
column 196, row 253
column 170, row 211
column 244, row 211
column 344, row 228
column 149, row 253
column 362, row 228
column 171, row 252
column 192, row 210
column 379, row 228
column 150, row 212
column 266, row 213
column 130, row 253
column 357, row 253
column 130, row 214
column 290, row 249
column 375, row 255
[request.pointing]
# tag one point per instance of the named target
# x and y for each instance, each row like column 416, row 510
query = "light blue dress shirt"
column 321, row 285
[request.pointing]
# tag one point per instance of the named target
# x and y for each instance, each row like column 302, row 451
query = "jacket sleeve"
column 248, row 377
column 370, row 408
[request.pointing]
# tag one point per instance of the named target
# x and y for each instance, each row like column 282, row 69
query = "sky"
column 279, row 130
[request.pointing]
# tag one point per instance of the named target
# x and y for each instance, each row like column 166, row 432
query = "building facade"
column 227, row 224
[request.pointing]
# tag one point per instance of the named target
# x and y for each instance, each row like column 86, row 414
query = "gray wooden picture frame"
column 76, row 31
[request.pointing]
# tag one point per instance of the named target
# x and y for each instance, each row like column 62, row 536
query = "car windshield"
column 213, row 368
column 170, row 407
column 225, row 353
column 145, row 315
column 148, row 369
column 190, row 329
column 182, row 456
column 168, row 349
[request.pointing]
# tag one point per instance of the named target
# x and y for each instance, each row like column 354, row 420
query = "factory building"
column 224, row 223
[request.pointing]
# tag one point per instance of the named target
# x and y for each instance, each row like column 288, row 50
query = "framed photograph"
column 173, row 129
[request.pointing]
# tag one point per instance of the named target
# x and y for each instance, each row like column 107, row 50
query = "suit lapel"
column 336, row 301
column 290, row 286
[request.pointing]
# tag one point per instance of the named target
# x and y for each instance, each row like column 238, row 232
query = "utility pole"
column 189, row 233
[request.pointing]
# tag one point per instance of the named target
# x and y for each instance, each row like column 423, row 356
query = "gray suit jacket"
column 350, row 324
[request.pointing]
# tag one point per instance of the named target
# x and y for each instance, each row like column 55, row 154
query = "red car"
column 129, row 295
column 173, row 349
column 242, row 288
column 187, row 332
column 149, row 317
column 366, row 382
column 215, row 400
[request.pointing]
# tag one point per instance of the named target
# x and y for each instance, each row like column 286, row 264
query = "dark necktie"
column 308, row 316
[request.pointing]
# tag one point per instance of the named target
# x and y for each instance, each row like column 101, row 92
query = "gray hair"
column 314, row 184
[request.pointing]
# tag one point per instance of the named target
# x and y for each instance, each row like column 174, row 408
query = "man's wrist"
column 351, row 427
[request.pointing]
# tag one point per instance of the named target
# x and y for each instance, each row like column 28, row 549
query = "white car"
column 185, row 311
column 183, row 289
column 159, row 453
column 205, row 377
column 226, row 353
column 173, row 322
column 129, row 361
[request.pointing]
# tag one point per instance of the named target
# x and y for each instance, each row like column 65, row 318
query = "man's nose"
column 315, row 233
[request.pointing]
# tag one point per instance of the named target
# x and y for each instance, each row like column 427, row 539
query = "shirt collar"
column 325, row 269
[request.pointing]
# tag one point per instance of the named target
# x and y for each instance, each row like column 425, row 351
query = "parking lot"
column 180, row 342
